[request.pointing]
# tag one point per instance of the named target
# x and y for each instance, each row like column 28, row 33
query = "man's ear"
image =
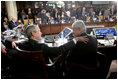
column 80, row 29
column 32, row 33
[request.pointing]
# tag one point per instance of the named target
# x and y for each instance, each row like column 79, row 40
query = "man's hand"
column 19, row 25
column 82, row 39
column 56, row 37
column 13, row 45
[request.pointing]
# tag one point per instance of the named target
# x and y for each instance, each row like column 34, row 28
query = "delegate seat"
column 31, row 65
column 80, row 71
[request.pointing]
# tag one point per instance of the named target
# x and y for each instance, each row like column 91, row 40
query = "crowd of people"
column 57, row 15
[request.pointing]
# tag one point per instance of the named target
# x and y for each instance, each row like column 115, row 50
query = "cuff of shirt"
column 74, row 40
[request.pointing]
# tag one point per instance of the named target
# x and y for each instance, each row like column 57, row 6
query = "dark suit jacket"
column 7, row 43
column 84, row 54
column 12, row 24
column 81, row 62
column 73, row 13
column 54, row 15
column 44, row 18
column 33, row 45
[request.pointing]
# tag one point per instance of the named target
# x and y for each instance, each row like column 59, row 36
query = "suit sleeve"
column 55, row 51
column 8, row 44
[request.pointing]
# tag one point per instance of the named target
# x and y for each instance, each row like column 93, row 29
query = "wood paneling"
column 56, row 28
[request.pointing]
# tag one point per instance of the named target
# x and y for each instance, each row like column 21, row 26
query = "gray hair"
column 79, row 23
column 29, row 29
column 14, row 18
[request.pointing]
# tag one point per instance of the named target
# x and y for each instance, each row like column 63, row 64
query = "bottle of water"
column 62, row 38
column 18, row 34
column 62, row 35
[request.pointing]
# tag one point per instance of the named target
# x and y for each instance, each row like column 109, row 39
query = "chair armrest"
column 100, row 53
column 53, row 63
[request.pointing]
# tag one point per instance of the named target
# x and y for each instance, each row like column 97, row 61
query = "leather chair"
column 31, row 64
column 103, row 66
column 80, row 71
column 25, row 21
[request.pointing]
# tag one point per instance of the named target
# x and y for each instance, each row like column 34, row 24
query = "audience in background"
column 58, row 15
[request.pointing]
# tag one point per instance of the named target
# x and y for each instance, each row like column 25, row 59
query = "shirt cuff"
column 74, row 40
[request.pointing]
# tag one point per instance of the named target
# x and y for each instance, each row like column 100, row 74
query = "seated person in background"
column 4, row 26
column 13, row 23
column 21, row 27
column 34, row 36
column 93, row 17
column 82, row 56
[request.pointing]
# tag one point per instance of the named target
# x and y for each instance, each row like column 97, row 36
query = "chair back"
column 80, row 71
column 27, row 21
column 33, row 63
column 103, row 65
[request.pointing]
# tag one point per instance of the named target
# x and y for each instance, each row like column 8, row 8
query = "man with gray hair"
column 83, row 56
column 13, row 23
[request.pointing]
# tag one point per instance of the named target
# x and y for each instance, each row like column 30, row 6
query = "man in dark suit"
column 34, row 36
column 44, row 18
column 13, row 23
column 56, row 13
column 72, row 15
column 82, row 57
